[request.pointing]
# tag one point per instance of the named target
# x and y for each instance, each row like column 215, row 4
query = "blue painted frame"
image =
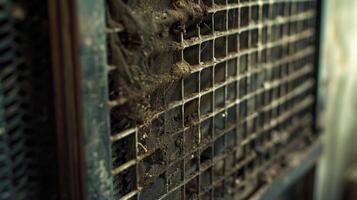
column 95, row 110
column 291, row 175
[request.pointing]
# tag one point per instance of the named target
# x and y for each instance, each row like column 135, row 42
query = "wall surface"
column 338, row 81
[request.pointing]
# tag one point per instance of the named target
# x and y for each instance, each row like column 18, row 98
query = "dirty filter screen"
column 207, row 95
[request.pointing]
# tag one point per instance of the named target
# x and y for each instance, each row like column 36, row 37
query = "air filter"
column 154, row 99
column 208, row 97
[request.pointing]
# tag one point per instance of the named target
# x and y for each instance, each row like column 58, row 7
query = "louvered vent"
column 208, row 97
column 12, row 144
column 27, row 137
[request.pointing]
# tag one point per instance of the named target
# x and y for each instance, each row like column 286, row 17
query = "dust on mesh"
column 206, row 95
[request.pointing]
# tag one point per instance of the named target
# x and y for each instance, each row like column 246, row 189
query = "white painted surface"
column 339, row 83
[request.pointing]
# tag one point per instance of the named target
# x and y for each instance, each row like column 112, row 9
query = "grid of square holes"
column 248, row 99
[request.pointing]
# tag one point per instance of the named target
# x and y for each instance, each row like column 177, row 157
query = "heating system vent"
column 208, row 97
column 27, row 138
column 12, row 144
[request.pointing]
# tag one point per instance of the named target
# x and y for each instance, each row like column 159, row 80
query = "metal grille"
column 245, row 101
column 27, row 139
column 12, row 142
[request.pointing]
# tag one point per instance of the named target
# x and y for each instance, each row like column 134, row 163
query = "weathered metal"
column 94, row 96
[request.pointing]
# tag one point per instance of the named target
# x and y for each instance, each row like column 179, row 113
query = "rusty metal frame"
column 78, row 39
column 66, row 88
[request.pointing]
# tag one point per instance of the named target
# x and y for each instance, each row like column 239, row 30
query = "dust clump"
column 144, row 41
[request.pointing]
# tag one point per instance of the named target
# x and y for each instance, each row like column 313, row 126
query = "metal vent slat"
column 24, row 114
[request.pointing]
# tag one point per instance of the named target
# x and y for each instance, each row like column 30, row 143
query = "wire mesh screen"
column 207, row 96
